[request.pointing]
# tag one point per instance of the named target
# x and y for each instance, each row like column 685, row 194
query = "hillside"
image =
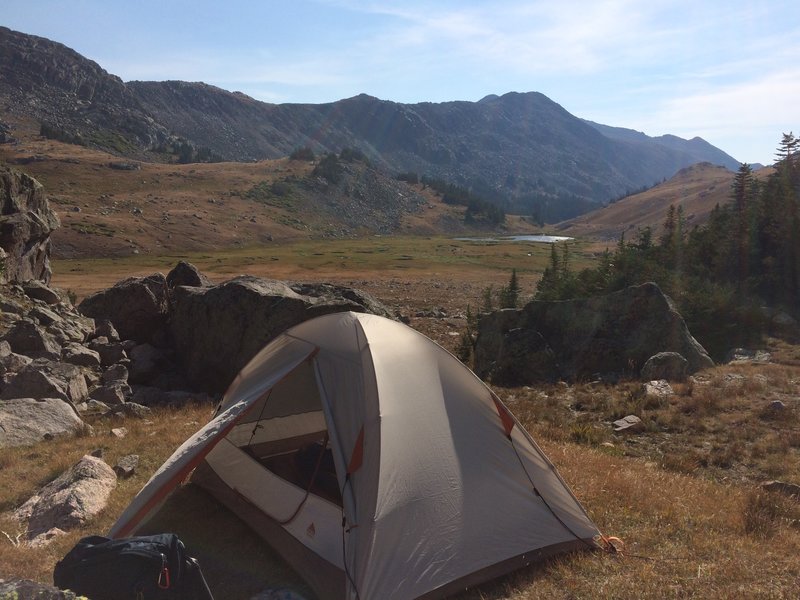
column 111, row 207
column 697, row 189
column 521, row 150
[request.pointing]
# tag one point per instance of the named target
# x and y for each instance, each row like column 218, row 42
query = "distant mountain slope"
column 57, row 86
column 697, row 148
column 521, row 150
column 697, row 189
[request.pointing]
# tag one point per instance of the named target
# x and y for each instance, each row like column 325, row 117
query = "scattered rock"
column 743, row 355
column 44, row 316
column 657, row 389
column 112, row 394
column 629, row 424
column 126, row 466
column 43, row 378
column 105, row 328
column 78, row 354
column 44, row 539
column 114, row 373
column 781, row 487
column 25, row 421
column 71, row 500
column 131, row 409
column 39, row 291
column 13, row 363
column 776, row 406
column 30, row 339
column 119, row 432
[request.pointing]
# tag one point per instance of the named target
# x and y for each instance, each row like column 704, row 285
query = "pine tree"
column 509, row 295
column 743, row 195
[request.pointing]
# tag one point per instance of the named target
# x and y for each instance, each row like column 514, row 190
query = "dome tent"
column 376, row 464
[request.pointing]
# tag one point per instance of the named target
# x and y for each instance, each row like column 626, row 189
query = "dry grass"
column 684, row 536
column 24, row 470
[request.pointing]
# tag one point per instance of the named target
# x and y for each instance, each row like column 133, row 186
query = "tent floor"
column 236, row 562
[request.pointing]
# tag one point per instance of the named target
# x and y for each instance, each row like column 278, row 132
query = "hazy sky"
column 728, row 72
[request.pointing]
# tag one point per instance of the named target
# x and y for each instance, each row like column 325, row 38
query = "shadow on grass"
column 236, row 562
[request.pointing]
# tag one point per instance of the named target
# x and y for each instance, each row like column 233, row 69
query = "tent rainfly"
column 376, row 464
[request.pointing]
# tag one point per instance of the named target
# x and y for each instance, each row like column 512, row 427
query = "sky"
column 728, row 72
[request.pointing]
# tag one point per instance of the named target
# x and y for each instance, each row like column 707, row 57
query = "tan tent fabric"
column 449, row 489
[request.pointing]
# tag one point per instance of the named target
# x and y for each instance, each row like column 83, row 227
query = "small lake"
column 544, row 239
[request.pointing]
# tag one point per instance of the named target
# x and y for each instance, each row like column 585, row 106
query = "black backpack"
column 154, row 567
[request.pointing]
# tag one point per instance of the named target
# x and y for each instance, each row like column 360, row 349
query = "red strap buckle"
column 163, row 577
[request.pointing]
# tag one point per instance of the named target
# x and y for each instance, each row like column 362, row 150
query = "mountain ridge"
column 522, row 151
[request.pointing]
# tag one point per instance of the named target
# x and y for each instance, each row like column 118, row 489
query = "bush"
column 329, row 168
column 304, row 153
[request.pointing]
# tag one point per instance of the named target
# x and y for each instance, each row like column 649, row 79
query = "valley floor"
column 683, row 494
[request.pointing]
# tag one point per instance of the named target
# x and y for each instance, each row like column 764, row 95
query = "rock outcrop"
column 26, row 222
column 583, row 338
column 217, row 330
column 137, row 307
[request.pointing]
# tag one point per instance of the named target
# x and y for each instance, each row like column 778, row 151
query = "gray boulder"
column 130, row 409
column 30, row 339
column 13, row 363
column 609, row 334
column 44, row 316
column 105, row 328
column 43, row 378
column 26, row 222
column 115, row 373
column 137, row 307
column 186, row 273
column 39, row 291
column 71, row 500
column 26, row 421
column 665, row 365
column 126, row 466
column 110, row 352
column 217, row 330
column 78, row 354
column 112, row 393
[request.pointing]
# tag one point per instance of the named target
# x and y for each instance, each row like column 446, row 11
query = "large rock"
column 137, row 307
column 665, row 365
column 26, row 222
column 25, row 421
column 48, row 379
column 71, row 500
column 185, row 273
column 217, row 330
column 30, row 339
column 609, row 334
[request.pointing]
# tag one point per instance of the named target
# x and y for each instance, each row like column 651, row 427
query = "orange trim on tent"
column 505, row 416
column 357, row 458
